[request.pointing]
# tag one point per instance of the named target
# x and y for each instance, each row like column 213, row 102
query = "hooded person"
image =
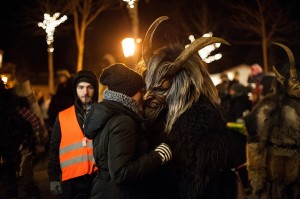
column 124, row 162
column 17, row 145
column 71, row 163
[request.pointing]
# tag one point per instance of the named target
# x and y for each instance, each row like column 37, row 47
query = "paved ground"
column 41, row 177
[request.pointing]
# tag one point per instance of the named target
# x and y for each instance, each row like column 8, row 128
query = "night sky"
column 24, row 42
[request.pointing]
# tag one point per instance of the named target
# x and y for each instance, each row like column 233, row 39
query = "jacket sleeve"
column 123, row 163
column 92, row 123
column 54, row 169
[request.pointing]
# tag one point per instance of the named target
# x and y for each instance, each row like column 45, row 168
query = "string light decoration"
column 49, row 24
column 206, row 51
column 130, row 3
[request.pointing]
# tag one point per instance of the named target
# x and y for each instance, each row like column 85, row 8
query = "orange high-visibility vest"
column 75, row 150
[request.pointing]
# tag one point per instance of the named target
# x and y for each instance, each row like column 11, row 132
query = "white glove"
column 55, row 188
column 164, row 151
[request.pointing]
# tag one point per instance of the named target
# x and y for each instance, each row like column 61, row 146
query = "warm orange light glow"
column 4, row 78
column 1, row 57
column 128, row 46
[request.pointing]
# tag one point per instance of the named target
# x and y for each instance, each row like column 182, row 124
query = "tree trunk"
column 80, row 44
column 80, row 57
column 50, row 69
column 264, row 39
column 265, row 54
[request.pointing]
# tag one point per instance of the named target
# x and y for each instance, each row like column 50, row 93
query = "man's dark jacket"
column 54, row 169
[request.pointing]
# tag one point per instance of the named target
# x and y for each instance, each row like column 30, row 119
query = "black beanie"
column 121, row 79
column 89, row 77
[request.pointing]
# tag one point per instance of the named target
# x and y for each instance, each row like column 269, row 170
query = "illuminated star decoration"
column 49, row 24
column 206, row 51
column 130, row 3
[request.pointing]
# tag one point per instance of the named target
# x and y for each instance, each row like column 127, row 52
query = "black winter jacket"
column 120, row 152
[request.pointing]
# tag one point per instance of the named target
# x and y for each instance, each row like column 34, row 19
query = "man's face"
column 85, row 92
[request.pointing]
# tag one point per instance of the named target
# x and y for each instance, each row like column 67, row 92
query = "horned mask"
column 175, row 76
column 292, row 84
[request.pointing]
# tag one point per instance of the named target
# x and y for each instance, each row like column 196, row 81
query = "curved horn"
column 192, row 49
column 147, row 44
column 278, row 76
column 293, row 73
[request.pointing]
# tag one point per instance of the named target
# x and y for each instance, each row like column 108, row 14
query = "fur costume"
column 181, row 103
column 274, row 138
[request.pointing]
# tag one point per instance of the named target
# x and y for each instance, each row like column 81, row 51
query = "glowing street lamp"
column 132, row 7
column 128, row 46
column 4, row 78
column 49, row 24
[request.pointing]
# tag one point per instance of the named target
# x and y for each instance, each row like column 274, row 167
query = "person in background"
column 236, row 77
column 223, row 92
column 239, row 102
column 63, row 98
column 120, row 148
column 19, row 130
column 223, row 86
column 71, row 163
column 254, row 78
column 239, row 106
column 28, row 153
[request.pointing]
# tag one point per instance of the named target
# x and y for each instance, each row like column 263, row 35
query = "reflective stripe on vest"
column 75, row 158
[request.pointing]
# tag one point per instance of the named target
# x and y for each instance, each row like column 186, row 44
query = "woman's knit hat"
column 120, row 78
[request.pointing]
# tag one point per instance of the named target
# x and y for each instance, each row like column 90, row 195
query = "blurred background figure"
column 63, row 98
column 266, row 83
column 236, row 104
column 222, row 89
column 236, row 77
column 19, row 128
column 223, row 86
column 255, row 77
column 43, row 102
column 239, row 103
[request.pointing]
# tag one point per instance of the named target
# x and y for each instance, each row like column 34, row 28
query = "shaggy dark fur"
column 182, row 98
column 273, row 127
column 200, row 166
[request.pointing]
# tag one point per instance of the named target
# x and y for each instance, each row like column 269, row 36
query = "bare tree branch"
column 265, row 19
column 85, row 12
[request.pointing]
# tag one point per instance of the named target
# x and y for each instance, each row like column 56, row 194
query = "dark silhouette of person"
column 17, row 145
column 63, row 98
column 239, row 102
